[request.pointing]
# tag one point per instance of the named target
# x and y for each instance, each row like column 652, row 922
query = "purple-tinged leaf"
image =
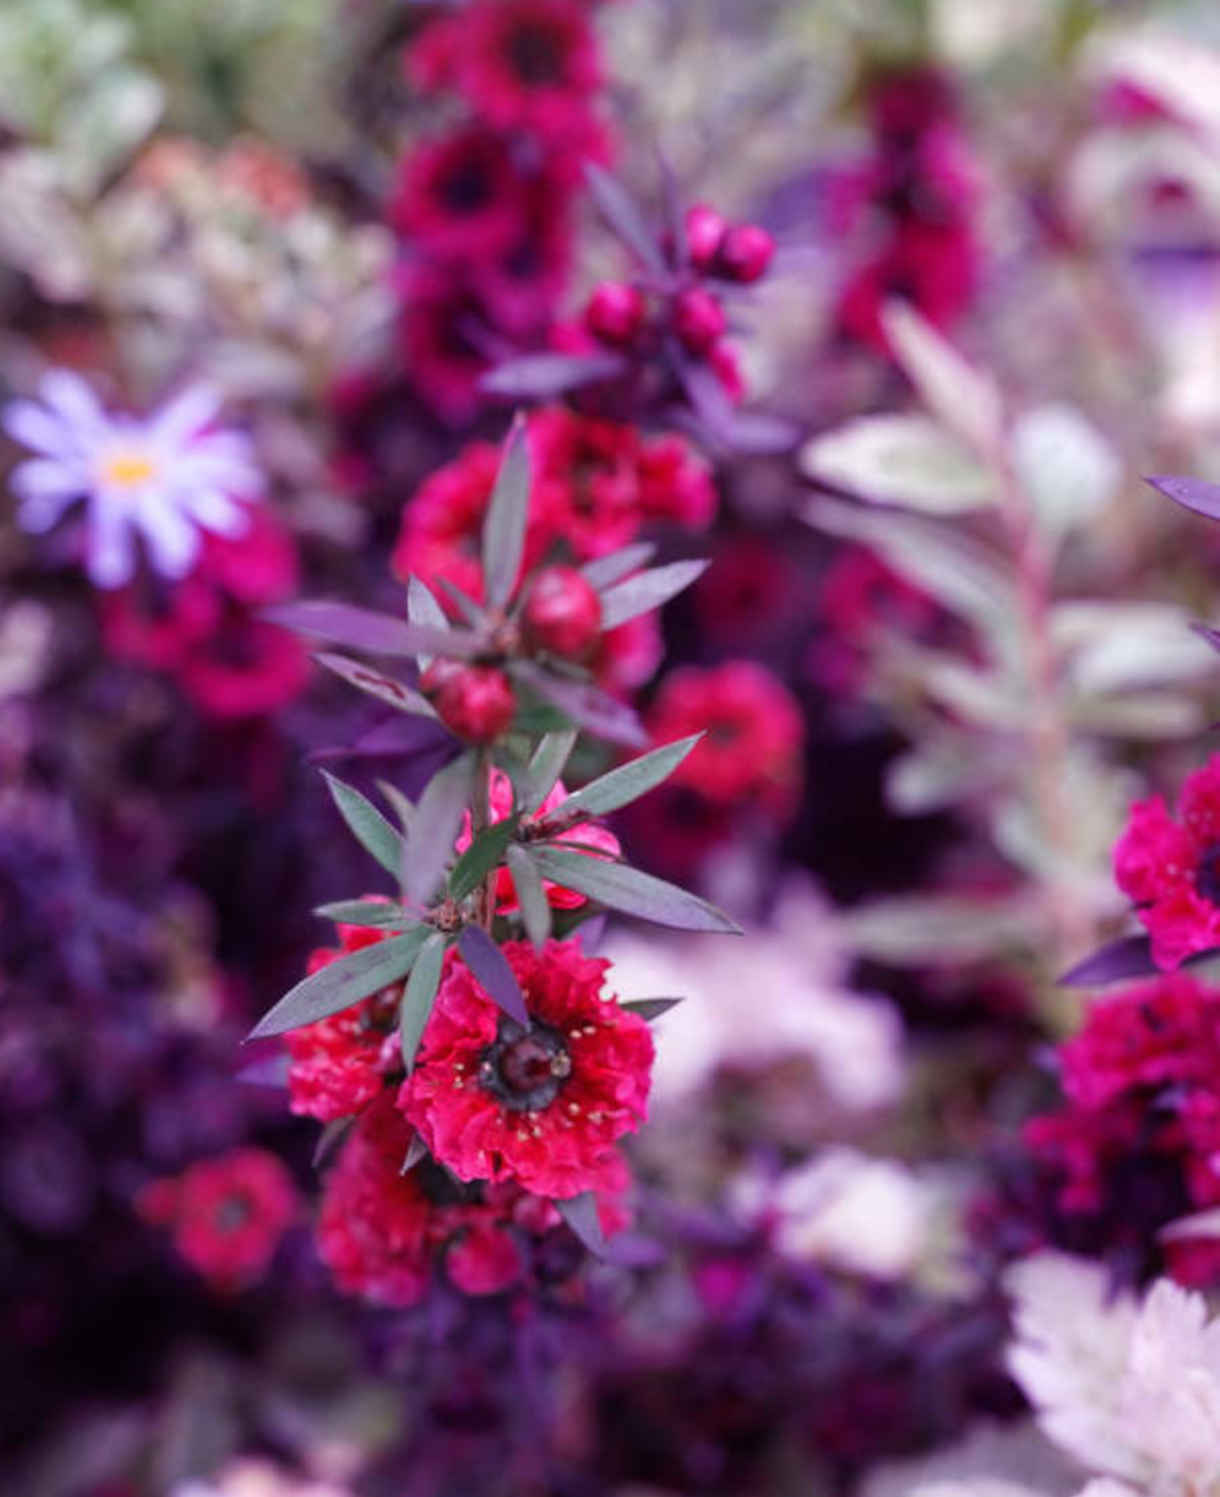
column 507, row 516
column 419, row 996
column 757, row 433
column 329, row 1140
column 1208, row 635
column 434, row 829
column 649, row 1009
column 622, row 214
column 378, row 633
column 580, row 1213
column 531, row 896
column 1128, row 956
column 546, row 766
column 631, row 891
column 417, row 1149
column 268, row 1069
column 343, row 983
column 424, row 610
column 492, row 972
column 367, row 824
column 605, row 570
column 367, row 912
column 591, row 933
column 627, row 783
column 647, row 590
column 586, row 705
column 1191, row 493
column 542, row 376
column 473, row 612
column 384, row 688
column 399, row 736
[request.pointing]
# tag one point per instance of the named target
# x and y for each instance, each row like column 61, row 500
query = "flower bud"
column 615, row 313
column 474, row 701
column 704, row 231
column 745, row 253
column 698, row 319
column 563, row 613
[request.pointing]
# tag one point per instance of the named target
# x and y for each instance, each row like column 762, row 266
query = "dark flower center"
column 535, row 55
column 233, row 1214
column 525, row 1068
column 1207, row 874
column 466, row 188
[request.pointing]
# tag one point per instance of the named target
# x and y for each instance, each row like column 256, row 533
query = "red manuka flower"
column 444, row 327
column 595, row 466
column 752, row 751
column 858, row 597
column 1172, row 869
column 523, row 282
column 339, row 1064
column 674, row 484
column 227, row 1215
column 542, row 1106
column 459, row 196
column 586, row 833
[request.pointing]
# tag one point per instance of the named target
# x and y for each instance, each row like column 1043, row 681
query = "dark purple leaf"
column 329, row 1140
column 647, row 590
column 491, row 970
column 649, row 1009
column 434, row 829
column 623, row 215
column 606, row 570
column 587, row 706
column 269, row 1069
column 1191, row 493
column 507, row 515
column 378, row 633
column 580, row 1213
column 542, row 376
column 417, row 1149
column 384, row 688
column 1129, row 956
column 631, row 891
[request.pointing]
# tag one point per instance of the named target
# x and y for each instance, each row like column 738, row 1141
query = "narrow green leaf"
column 606, row 570
column 367, row 824
column 424, row 610
column 546, row 766
column 507, row 516
column 627, row 889
column 419, row 995
column 483, row 854
column 470, row 610
column 401, row 803
column 647, row 590
column 649, row 1009
column 434, row 828
column 384, row 688
column 627, row 783
column 370, row 912
column 343, row 983
column 531, row 896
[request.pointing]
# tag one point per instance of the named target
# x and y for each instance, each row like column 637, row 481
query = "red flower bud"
column 474, row 701
column 745, row 252
column 698, row 319
column 615, row 313
column 704, row 231
column 563, row 613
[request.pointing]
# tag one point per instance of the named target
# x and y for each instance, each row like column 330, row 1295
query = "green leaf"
column 546, row 766
column 483, row 854
column 649, row 1009
column 647, row 590
column 434, row 829
column 531, row 896
column 384, row 688
column 627, row 783
column 621, row 888
column 367, row 824
column 507, row 516
column 901, row 458
column 606, row 570
column 343, row 983
column 370, row 912
column 401, row 803
column 420, row 993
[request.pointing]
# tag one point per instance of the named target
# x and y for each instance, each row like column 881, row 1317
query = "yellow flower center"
column 128, row 469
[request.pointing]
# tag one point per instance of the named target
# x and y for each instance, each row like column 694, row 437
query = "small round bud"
column 745, row 253
column 704, row 231
column 615, row 313
column 563, row 614
column 698, row 319
column 474, row 701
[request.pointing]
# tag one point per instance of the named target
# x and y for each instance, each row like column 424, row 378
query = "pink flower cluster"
column 485, row 210
column 205, row 630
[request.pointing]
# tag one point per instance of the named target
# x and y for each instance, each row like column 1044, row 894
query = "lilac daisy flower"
column 163, row 477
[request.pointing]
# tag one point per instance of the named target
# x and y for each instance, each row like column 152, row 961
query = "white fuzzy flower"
column 1132, row 1389
column 163, row 478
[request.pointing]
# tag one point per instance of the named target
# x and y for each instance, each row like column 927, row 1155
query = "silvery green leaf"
column 484, row 853
column 621, row 786
column 384, row 688
column 629, row 890
column 492, row 972
column 417, row 1149
column 424, row 610
column 400, row 803
column 368, row 825
column 623, row 215
column 901, row 459
column 580, row 1213
column 962, row 398
column 1153, row 715
column 419, row 996
column 1114, row 647
column 470, row 610
column 936, row 775
column 343, row 982
column 373, row 913
column 917, row 929
column 1065, row 465
column 546, row 766
column 435, row 823
column 531, row 896
column 507, row 516
column 605, row 570
column 378, row 633
column 647, row 590
column 543, row 376
column 649, row 1009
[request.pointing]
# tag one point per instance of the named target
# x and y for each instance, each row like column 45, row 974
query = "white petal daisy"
column 163, row 478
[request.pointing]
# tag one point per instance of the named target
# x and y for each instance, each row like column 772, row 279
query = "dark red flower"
column 444, row 325
column 542, row 1106
column 459, row 196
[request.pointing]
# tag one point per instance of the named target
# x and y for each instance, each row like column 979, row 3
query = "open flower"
column 163, row 478
column 541, row 1105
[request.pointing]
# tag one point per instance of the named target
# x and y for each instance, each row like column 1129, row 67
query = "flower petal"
column 187, row 413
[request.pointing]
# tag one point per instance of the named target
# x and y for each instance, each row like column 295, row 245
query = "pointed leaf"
column 606, row 570
column 586, row 705
column 648, row 590
column 491, row 970
column 1206, row 632
column 627, row 783
column 470, row 610
column 343, row 983
column 542, row 376
column 378, row 633
column 507, row 516
column 966, row 399
column 384, row 688
column 419, row 995
column 649, row 1009
column 417, row 1149
column 369, row 912
column 1191, row 493
column 627, row 889
column 367, row 824
column 580, row 1213
column 622, row 214
column 546, row 766
column 424, row 610
column 434, row 828
column 329, row 1140
column 401, row 802
column 1128, row 956
column 484, row 853
column 531, row 896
